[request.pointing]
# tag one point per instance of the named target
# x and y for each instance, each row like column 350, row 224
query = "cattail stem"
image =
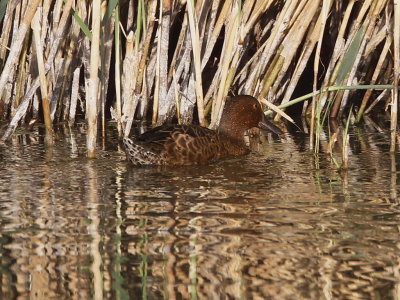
column 92, row 93
column 17, row 44
column 42, row 77
column 395, row 93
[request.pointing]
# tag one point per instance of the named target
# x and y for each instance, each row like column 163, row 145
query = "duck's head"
column 242, row 113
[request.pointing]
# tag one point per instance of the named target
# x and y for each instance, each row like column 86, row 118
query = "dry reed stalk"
column 177, row 98
column 179, row 51
column 276, row 109
column 315, row 111
column 236, row 46
column 338, row 50
column 272, row 47
column 252, row 11
column 70, row 63
column 307, row 51
column 17, row 46
column 22, row 76
column 184, row 72
column 228, row 52
column 44, row 22
column 117, row 64
column 345, row 144
column 211, row 34
column 131, row 79
column 185, row 68
column 243, row 76
column 76, row 63
column 268, row 55
column 298, row 31
column 59, row 34
column 57, row 83
column 131, row 17
column 147, row 33
column 194, row 34
column 283, row 22
column 43, row 82
column 74, row 95
column 60, row 73
column 165, row 107
column 180, row 68
column 395, row 92
column 332, row 141
column 374, row 12
column 156, row 99
column 383, row 95
column 57, row 13
column 215, row 29
column 93, row 84
column 377, row 71
column 13, row 98
column 106, row 49
column 5, row 32
column 303, row 16
column 140, row 90
column 34, row 85
column 349, row 61
column 128, row 88
column 379, row 35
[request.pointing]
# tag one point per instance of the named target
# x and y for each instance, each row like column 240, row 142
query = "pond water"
column 280, row 223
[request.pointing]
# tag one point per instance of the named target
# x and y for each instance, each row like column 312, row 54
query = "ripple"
column 279, row 224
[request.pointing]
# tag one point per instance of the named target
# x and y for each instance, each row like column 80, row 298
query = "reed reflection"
column 277, row 223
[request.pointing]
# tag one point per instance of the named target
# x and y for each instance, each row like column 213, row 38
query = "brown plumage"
column 193, row 144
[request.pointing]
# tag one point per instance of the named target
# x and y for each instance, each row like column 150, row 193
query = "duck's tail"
column 139, row 155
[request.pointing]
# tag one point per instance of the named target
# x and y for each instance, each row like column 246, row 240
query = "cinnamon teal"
column 193, row 144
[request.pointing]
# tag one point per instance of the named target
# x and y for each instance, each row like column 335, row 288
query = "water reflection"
column 280, row 223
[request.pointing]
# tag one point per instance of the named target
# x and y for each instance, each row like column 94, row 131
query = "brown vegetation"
column 165, row 60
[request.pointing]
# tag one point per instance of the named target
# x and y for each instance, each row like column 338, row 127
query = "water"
column 279, row 223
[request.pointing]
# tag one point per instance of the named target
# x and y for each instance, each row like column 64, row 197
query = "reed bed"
column 177, row 61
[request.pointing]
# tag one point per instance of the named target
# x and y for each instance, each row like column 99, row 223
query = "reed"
column 16, row 47
column 43, row 82
column 117, row 64
column 395, row 93
column 345, row 144
column 93, row 81
column 195, row 37
column 180, row 59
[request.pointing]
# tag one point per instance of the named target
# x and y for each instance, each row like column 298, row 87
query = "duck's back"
column 180, row 145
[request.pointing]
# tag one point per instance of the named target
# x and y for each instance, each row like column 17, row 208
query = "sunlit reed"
column 178, row 60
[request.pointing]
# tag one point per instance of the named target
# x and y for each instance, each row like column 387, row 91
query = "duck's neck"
column 230, row 129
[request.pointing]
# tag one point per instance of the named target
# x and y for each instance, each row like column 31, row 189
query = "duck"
column 178, row 145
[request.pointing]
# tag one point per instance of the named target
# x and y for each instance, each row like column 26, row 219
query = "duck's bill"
column 268, row 126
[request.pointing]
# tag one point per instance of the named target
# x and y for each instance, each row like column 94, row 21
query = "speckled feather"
column 180, row 145
column 193, row 144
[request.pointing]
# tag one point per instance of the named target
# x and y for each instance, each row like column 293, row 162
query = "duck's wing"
column 173, row 145
column 189, row 144
column 161, row 134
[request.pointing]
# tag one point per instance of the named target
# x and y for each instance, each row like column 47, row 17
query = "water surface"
column 280, row 223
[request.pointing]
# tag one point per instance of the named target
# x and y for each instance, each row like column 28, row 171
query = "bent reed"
column 179, row 59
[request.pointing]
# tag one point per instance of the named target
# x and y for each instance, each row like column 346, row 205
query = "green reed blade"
column 350, row 56
column 82, row 24
column 110, row 8
column 333, row 88
column 3, row 7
